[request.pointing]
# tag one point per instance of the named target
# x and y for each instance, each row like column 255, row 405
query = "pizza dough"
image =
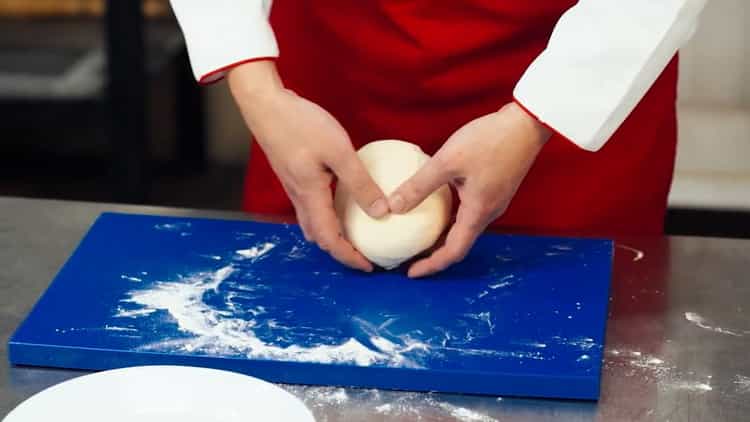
column 391, row 240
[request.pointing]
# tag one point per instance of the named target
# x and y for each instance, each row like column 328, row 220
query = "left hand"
column 486, row 161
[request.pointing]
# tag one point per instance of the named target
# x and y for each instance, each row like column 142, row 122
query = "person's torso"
column 417, row 70
column 378, row 63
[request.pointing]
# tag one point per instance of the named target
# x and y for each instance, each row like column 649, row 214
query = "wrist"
column 252, row 82
column 539, row 131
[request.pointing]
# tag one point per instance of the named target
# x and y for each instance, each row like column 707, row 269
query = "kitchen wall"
column 713, row 161
column 713, row 168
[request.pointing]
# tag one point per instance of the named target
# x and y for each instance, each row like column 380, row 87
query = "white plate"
column 162, row 393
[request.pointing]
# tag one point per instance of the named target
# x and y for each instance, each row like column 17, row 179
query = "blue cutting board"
column 521, row 316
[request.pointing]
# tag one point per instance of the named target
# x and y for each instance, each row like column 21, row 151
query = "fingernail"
column 379, row 208
column 397, row 203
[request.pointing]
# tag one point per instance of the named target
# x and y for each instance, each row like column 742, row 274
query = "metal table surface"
column 678, row 337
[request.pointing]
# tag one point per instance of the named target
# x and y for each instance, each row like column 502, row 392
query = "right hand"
column 307, row 148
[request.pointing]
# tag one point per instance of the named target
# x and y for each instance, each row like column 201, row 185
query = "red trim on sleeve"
column 553, row 130
column 208, row 78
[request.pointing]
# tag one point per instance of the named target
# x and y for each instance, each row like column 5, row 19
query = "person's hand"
column 485, row 161
column 307, row 148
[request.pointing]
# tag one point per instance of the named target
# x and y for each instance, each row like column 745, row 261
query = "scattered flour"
column 130, row 278
column 173, row 227
column 135, row 313
column 210, row 330
column 564, row 248
column 465, row 415
column 582, row 343
column 114, row 328
column 743, row 383
column 352, row 404
column 657, row 370
column 697, row 387
column 384, row 408
column 503, row 282
column 639, row 254
column 326, row 396
column 701, row 322
column 256, row 252
column 534, row 344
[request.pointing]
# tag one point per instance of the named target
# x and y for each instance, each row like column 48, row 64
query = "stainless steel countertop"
column 678, row 337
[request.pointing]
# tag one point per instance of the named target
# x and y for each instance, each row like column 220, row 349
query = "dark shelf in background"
column 57, row 60
column 710, row 223
column 82, row 88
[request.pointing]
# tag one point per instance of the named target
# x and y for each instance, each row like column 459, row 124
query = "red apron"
column 418, row 70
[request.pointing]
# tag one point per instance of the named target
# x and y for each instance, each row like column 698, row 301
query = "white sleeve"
column 602, row 58
column 223, row 33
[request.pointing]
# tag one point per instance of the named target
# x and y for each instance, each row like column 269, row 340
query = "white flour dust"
column 564, row 248
column 743, row 383
column 115, row 328
column 256, row 252
column 701, row 322
column 216, row 331
column 173, row 227
column 638, row 254
column 424, row 405
column 656, row 370
column 485, row 317
column 465, row 415
column 133, row 313
column 503, row 282
column 582, row 343
column 322, row 396
column 341, row 404
column 693, row 386
column 130, row 278
column 534, row 344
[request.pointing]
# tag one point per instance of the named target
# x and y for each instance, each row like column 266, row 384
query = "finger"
column 412, row 192
column 304, row 223
column 461, row 237
column 302, row 220
column 351, row 173
column 325, row 230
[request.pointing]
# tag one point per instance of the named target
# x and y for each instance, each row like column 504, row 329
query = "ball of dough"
column 391, row 240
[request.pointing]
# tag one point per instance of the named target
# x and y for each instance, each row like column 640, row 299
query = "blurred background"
column 98, row 103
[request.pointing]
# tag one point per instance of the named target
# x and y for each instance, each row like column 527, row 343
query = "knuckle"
column 360, row 184
column 442, row 162
column 340, row 154
column 410, row 191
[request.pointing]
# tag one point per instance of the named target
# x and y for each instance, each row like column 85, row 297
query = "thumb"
column 417, row 188
column 351, row 173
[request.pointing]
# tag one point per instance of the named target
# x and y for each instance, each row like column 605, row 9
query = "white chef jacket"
column 604, row 53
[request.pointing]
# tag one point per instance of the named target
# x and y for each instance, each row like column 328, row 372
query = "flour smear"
column 341, row 404
column 209, row 330
column 701, row 322
column 658, row 370
column 637, row 253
